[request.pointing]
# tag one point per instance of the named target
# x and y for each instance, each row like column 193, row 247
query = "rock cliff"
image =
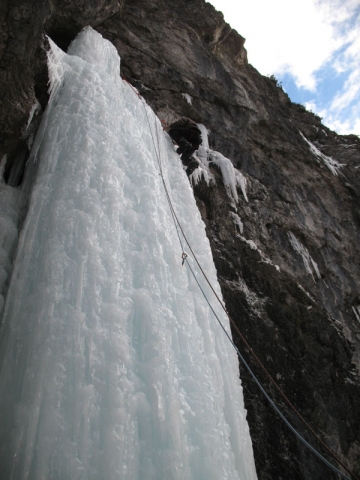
column 289, row 264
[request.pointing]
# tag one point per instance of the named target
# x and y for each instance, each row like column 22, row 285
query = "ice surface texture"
column 112, row 364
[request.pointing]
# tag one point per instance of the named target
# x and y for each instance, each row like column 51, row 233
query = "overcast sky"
column 311, row 46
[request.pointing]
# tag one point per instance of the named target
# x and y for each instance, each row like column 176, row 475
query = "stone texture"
column 302, row 326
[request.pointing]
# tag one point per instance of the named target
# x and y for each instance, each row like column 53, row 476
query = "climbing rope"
column 263, row 367
column 307, row 444
column 184, row 258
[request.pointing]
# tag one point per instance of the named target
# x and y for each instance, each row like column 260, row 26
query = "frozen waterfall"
column 112, row 364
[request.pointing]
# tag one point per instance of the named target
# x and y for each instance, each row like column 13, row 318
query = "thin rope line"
column 253, row 353
column 261, row 364
column 305, row 442
column 178, row 225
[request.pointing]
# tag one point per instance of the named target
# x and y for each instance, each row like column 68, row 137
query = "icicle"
column 306, row 293
column 187, row 97
column 305, row 255
column 34, row 109
column 253, row 246
column 204, row 136
column 241, row 181
column 356, row 311
column 238, row 222
column 202, row 173
column 57, row 68
column 232, row 177
column 332, row 164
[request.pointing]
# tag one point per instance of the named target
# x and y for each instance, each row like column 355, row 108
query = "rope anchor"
column 184, row 257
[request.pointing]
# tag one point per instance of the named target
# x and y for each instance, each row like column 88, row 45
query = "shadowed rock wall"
column 301, row 320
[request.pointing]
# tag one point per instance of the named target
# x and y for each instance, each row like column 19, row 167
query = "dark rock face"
column 303, row 318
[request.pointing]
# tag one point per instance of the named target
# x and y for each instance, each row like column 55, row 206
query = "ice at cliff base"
column 112, row 364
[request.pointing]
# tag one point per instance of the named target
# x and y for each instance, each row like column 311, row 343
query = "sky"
column 311, row 46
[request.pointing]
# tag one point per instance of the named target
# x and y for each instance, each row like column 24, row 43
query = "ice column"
column 112, row 364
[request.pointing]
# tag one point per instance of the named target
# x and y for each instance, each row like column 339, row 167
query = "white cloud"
column 337, row 11
column 349, row 93
column 356, row 127
column 283, row 36
column 343, row 122
column 312, row 107
column 343, row 112
column 300, row 37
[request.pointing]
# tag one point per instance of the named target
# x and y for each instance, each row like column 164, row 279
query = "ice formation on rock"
column 112, row 364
